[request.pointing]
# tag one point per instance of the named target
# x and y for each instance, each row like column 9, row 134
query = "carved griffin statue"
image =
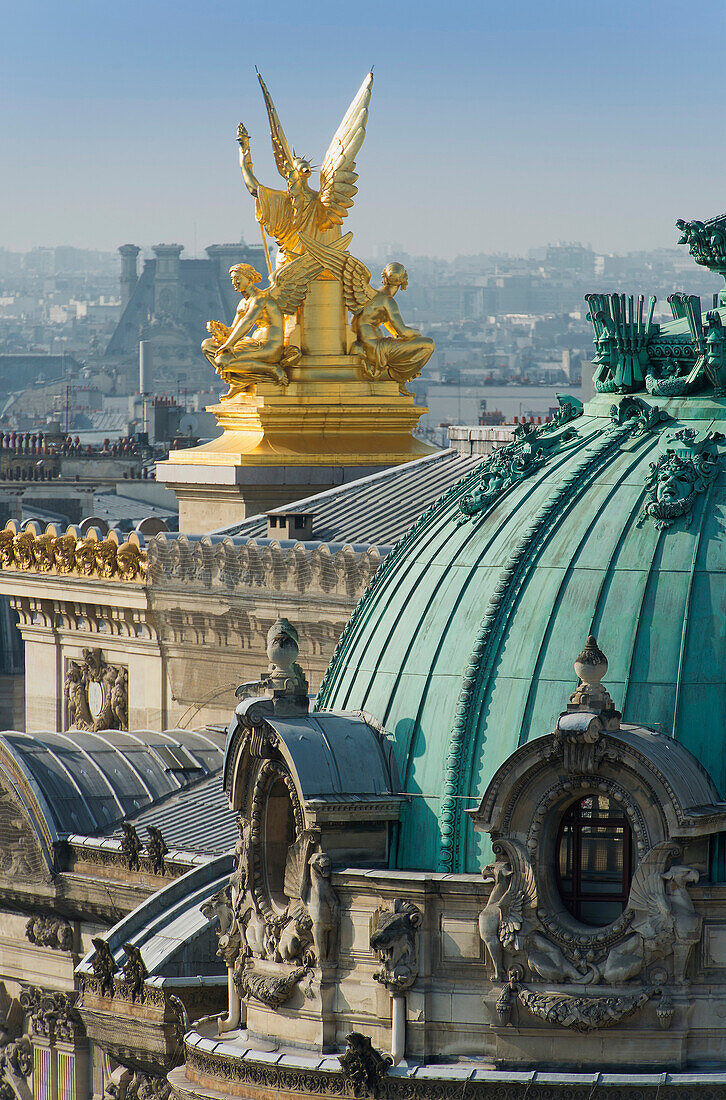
column 664, row 920
column 509, row 922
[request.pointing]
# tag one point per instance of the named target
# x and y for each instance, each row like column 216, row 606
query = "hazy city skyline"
column 511, row 128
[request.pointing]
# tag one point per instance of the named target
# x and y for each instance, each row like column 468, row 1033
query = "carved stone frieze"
column 96, row 693
column 271, row 1080
column 107, row 857
column 579, row 1011
column 270, row 989
column 395, row 941
column 55, row 932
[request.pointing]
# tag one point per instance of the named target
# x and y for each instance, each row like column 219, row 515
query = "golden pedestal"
column 284, row 443
column 280, row 445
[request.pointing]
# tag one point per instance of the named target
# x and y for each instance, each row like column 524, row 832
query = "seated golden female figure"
column 253, row 349
column 403, row 354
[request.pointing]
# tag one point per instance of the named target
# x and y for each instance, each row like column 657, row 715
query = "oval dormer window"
column 594, row 859
column 279, row 835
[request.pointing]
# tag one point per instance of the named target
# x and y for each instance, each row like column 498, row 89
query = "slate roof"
column 196, row 819
column 374, row 510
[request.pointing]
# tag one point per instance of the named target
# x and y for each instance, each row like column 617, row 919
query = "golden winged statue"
column 252, row 348
column 404, row 352
column 319, row 214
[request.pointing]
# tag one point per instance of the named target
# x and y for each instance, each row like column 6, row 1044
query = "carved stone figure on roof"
column 402, row 352
column 131, row 846
column 664, row 920
column 319, row 214
column 509, row 921
column 156, row 849
column 104, row 965
column 323, row 906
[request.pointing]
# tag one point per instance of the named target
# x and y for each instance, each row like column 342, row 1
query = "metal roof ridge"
column 379, row 475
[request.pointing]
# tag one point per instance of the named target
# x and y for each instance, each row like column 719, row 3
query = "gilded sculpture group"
column 306, row 226
column 71, row 553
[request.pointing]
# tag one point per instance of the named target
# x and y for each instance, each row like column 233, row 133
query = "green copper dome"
column 610, row 521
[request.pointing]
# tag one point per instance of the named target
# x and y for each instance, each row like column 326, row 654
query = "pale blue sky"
column 493, row 125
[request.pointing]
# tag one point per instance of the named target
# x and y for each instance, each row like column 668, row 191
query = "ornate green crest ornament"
column 672, row 359
column 533, row 445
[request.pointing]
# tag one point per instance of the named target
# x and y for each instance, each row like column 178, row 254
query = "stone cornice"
column 227, row 564
column 314, row 1077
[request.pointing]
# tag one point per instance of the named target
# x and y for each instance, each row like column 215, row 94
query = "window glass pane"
column 279, row 835
column 594, row 859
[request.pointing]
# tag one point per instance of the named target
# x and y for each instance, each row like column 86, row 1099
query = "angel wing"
column 338, row 174
column 647, row 899
column 353, row 273
column 518, row 904
column 280, row 147
column 289, row 283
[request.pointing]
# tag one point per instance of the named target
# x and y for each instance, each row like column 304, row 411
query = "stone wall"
column 189, row 624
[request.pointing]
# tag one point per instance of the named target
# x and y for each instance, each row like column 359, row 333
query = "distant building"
column 19, row 370
column 169, row 305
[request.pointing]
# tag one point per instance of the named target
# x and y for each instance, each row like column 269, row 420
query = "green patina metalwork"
column 463, row 645
column 532, row 447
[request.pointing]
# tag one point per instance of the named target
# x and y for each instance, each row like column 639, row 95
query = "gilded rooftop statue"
column 284, row 214
column 316, row 359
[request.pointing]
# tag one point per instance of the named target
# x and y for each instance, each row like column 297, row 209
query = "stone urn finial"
column 590, row 666
column 282, row 646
